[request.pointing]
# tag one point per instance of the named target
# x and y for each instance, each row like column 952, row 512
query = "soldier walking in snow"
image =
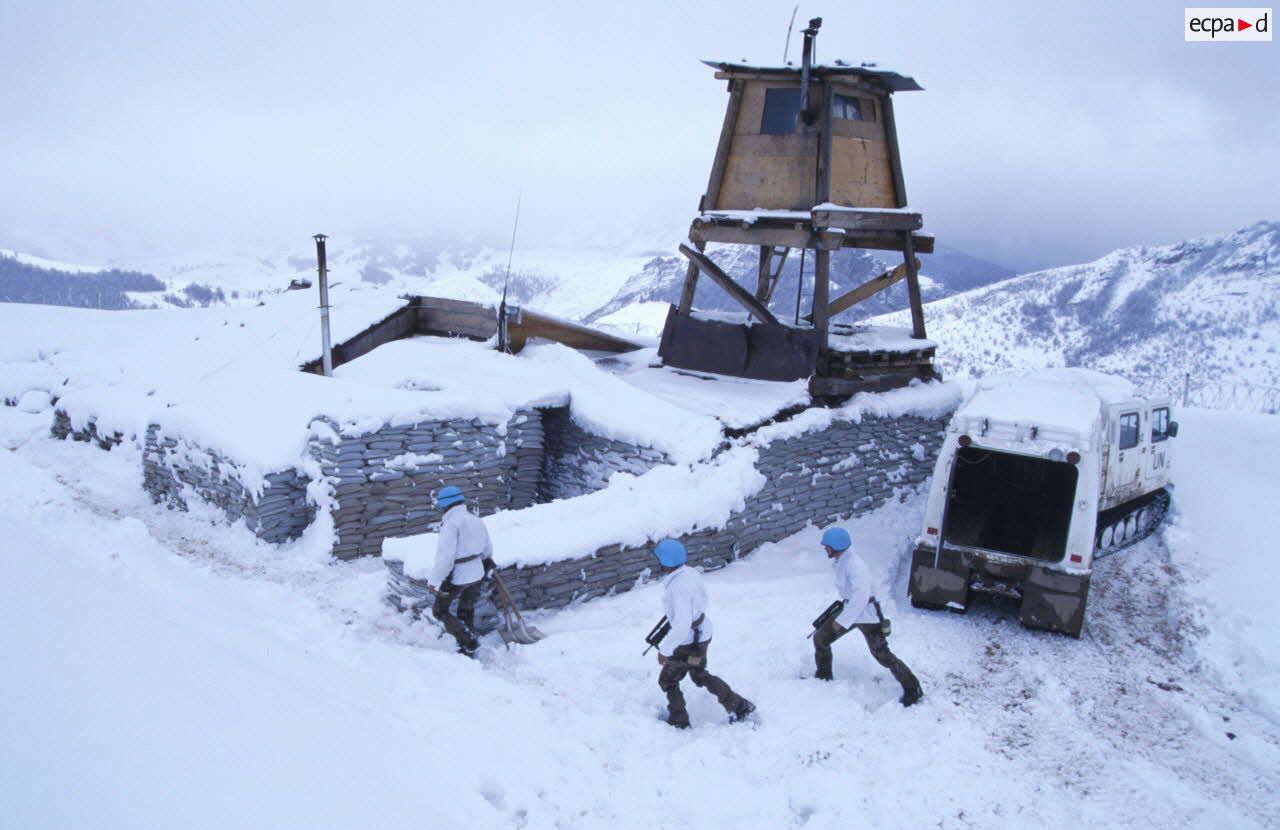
column 464, row 555
column 684, row 649
column 860, row 611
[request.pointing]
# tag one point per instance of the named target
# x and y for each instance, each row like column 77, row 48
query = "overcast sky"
column 1044, row 136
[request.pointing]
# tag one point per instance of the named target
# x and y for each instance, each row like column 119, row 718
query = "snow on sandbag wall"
column 825, row 467
column 385, row 481
column 62, row 429
column 579, row 462
column 276, row 508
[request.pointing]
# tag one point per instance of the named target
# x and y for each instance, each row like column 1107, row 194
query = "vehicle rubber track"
column 1129, row 523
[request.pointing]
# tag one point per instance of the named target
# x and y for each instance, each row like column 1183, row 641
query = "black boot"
column 742, row 710
column 824, row 666
column 911, row 696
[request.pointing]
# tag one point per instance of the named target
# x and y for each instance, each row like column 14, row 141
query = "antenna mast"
column 504, row 341
column 787, row 48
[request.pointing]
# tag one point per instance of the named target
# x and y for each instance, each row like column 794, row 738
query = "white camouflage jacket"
column 684, row 599
column 853, row 583
column 462, row 535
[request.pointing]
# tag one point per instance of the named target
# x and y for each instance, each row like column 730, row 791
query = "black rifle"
column 656, row 634
column 832, row 609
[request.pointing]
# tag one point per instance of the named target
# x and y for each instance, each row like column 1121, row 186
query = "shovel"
column 513, row 628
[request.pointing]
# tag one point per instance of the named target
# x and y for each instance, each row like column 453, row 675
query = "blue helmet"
column 449, row 496
column 671, row 553
column 836, row 538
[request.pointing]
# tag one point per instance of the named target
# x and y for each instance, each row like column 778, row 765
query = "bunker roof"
column 890, row 79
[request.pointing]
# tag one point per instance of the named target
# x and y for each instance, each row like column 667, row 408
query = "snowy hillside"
column 576, row 283
column 1209, row 307
column 162, row 670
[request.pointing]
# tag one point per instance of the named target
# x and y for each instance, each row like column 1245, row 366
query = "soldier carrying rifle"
column 857, row 609
column 683, row 649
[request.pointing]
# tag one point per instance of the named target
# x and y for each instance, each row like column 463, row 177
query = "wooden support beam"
column 762, row 274
column 757, row 234
column 913, row 288
column 822, row 181
column 533, row 324
column 721, row 161
column 854, row 219
column 690, row 282
column 703, row 263
column 895, row 158
column 762, row 233
column 869, row 288
column 821, row 290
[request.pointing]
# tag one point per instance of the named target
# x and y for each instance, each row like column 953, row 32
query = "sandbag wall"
column 815, row 477
column 384, row 482
column 172, row 468
column 579, row 462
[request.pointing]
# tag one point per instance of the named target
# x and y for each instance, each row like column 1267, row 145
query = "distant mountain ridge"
column 944, row 273
column 24, row 282
column 1207, row 308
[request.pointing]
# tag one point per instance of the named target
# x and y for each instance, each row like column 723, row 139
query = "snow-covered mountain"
column 1207, row 307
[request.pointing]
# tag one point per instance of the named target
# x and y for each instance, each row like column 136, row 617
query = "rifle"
column 832, row 610
column 656, row 634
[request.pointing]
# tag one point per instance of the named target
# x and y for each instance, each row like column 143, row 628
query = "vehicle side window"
column 1128, row 430
column 1159, row 424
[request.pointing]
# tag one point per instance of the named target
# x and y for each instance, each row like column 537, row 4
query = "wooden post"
column 822, row 183
column 762, row 276
column 690, row 284
column 821, row 289
column 721, row 161
column 913, row 288
column 895, row 158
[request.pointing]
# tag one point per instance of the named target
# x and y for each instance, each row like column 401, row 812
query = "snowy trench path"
column 165, row 670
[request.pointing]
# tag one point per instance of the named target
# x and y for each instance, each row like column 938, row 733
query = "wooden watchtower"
column 808, row 159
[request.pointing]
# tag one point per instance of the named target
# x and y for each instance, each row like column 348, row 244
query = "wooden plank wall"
column 778, row 171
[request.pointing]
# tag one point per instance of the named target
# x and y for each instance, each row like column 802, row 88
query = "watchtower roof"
column 892, row 80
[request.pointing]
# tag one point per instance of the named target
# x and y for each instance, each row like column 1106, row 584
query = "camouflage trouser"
column 876, row 642
column 461, row 626
column 692, row 660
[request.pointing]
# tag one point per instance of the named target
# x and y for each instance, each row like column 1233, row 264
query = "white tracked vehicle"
column 1038, row 476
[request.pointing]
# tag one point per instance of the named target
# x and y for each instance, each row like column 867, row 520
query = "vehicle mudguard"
column 1054, row 601
column 939, row 587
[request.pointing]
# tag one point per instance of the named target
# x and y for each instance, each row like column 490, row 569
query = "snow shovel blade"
column 512, row 627
column 516, row 631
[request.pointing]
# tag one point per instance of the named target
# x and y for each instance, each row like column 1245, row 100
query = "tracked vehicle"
column 1036, row 478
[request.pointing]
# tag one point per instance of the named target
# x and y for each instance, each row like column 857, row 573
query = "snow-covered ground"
column 163, row 670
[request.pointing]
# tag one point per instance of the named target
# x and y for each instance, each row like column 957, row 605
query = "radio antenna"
column 787, row 49
column 504, row 343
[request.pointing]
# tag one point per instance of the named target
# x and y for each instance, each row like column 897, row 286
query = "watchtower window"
column 1128, row 430
column 846, row 106
column 1159, row 424
column 781, row 111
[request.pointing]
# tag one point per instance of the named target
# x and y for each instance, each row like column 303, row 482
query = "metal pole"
column 1186, row 388
column 326, row 354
